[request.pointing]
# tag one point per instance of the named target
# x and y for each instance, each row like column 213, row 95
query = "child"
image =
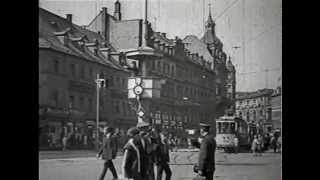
column 254, row 145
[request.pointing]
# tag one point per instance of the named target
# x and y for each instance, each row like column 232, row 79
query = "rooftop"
column 51, row 25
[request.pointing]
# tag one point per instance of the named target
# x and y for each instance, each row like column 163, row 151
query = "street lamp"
column 100, row 82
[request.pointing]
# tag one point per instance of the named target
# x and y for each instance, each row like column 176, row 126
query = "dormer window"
column 95, row 51
column 63, row 36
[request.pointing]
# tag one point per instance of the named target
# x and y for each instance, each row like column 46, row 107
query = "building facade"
column 70, row 57
column 255, row 108
column 199, row 81
column 276, row 106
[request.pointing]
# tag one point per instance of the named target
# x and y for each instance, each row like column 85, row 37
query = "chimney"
column 105, row 10
column 69, row 17
column 117, row 10
column 105, row 24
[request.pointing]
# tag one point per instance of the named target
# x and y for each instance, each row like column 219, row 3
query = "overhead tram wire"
column 226, row 9
column 263, row 32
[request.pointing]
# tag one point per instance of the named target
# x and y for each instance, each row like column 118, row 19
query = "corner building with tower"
column 195, row 79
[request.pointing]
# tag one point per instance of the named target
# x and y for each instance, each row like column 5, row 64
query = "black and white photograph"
column 160, row 89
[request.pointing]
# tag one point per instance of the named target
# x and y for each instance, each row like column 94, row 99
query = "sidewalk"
column 68, row 154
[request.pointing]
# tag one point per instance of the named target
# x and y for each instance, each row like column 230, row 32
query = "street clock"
column 138, row 90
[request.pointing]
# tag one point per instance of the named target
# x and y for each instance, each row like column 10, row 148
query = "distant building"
column 198, row 77
column 276, row 106
column 255, row 108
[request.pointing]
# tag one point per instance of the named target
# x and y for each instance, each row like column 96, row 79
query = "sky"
column 253, row 25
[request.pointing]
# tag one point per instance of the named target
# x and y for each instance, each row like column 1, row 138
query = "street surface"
column 84, row 166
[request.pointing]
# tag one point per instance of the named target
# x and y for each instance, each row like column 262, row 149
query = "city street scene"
column 160, row 89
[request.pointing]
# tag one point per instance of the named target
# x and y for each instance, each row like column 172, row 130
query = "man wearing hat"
column 206, row 163
column 107, row 152
column 132, row 164
column 148, row 146
column 162, row 157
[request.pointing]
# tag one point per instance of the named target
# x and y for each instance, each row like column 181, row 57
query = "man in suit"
column 108, row 152
column 133, row 165
column 206, row 163
column 162, row 157
column 148, row 149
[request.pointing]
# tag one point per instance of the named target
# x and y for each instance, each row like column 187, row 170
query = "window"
column 248, row 116
column 153, row 65
column 217, row 90
column 90, row 105
column 73, row 70
column 81, row 102
column 91, row 73
column 54, row 97
column 123, row 82
column 159, row 66
column 164, row 68
column 56, row 66
column 118, row 81
column 117, row 107
column 82, row 73
column 124, row 111
column 111, row 81
column 172, row 70
column 71, row 101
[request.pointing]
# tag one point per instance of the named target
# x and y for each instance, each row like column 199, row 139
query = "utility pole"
column 243, row 41
column 100, row 82
column 267, row 70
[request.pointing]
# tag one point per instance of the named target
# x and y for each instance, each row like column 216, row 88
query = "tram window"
column 232, row 128
column 226, row 128
column 219, row 127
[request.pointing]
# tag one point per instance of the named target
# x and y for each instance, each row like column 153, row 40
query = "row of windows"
column 183, row 91
column 171, row 70
column 122, row 107
column 89, row 74
column 87, row 104
column 260, row 100
column 187, row 118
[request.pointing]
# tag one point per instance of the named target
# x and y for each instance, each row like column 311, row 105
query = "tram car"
column 229, row 127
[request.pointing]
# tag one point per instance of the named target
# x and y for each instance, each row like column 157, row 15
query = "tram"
column 229, row 127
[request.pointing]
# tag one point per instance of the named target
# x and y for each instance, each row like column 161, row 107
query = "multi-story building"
column 196, row 87
column 198, row 78
column 255, row 107
column 276, row 106
column 211, row 47
column 70, row 57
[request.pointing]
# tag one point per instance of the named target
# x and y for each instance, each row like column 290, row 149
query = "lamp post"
column 100, row 82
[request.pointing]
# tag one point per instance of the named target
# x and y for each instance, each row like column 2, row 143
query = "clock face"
column 138, row 90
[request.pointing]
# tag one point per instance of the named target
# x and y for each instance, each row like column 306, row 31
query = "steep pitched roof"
column 210, row 38
column 50, row 23
column 195, row 45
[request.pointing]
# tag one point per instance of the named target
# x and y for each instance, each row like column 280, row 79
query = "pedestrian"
column 236, row 144
column 85, row 141
column 279, row 143
column 145, row 135
column 266, row 142
column 206, row 163
column 274, row 144
column 132, row 164
column 254, row 145
column 64, row 142
column 107, row 153
column 162, row 157
column 259, row 145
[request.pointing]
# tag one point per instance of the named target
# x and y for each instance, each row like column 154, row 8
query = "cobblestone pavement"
column 241, row 166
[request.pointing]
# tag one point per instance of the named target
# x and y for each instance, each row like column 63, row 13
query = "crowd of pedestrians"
column 146, row 148
column 262, row 143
